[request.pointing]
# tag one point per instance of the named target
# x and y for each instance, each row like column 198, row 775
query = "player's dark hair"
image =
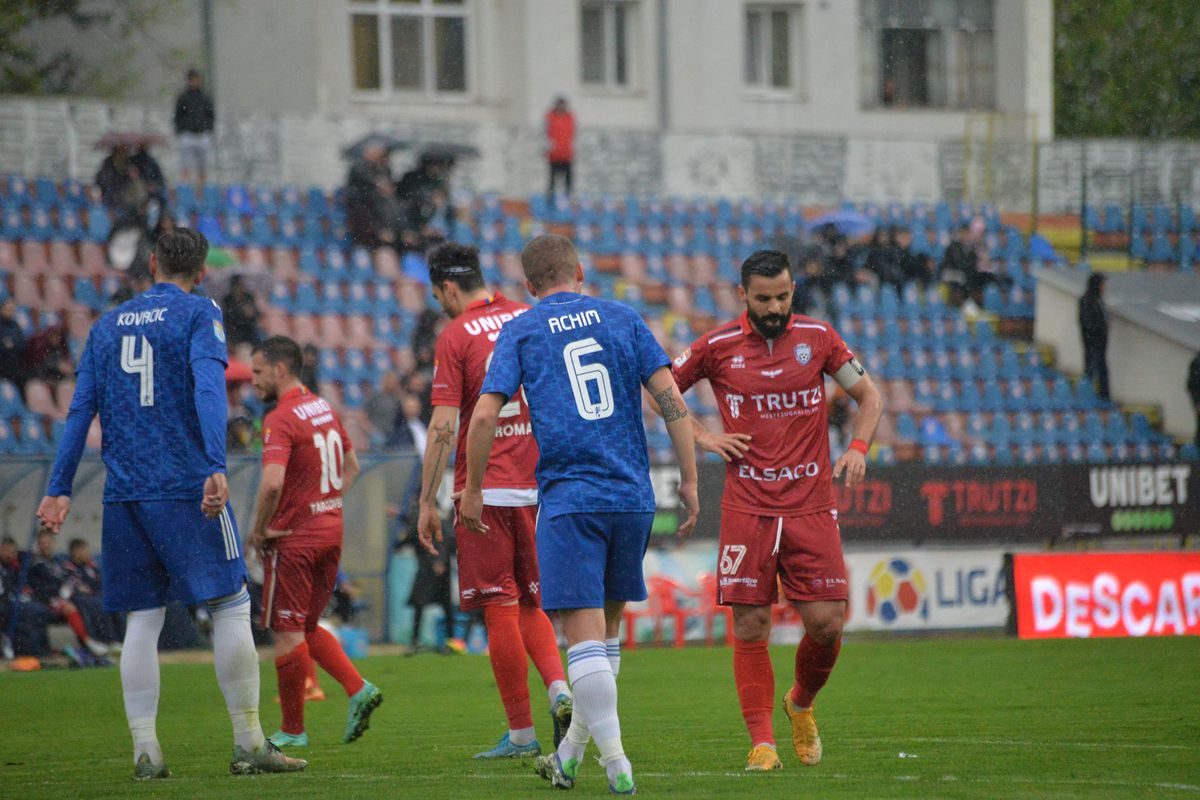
column 181, row 253
column 75, row 545
column 549, row 260
column 282, row 350
column 765, row 263
column 458, row 263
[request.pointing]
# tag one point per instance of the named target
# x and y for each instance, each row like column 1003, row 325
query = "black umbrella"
column 448, row 152
column 384, row 140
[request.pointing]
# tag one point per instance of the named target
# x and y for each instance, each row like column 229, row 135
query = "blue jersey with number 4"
column 138, row 372
column 582, row 362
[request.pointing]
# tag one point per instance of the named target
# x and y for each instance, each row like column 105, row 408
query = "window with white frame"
column 409, row 45
column 927, row 54
column 606, row 35
column 772, row 47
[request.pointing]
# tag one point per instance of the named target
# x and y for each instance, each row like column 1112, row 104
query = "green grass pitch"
column 977, row 717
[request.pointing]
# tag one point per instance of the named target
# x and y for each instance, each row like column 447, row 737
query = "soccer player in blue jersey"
column 154, row 370
column 582, row 363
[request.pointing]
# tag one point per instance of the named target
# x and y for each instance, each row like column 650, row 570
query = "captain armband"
column 849, row 374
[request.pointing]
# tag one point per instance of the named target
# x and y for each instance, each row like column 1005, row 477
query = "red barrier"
column 1107, row 594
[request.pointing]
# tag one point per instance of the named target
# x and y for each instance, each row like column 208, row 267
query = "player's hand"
column 216, row 495
column 274, row 534
column 854, row 464
column 470, row 510
column 689, row 495
column 52, row 512
column 255, row 542
column 727, row 445
column 429, row 528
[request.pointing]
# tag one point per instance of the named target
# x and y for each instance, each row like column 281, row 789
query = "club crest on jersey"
column 219, row 331
column 803, row 354
column 737, row 362
column 682, row 358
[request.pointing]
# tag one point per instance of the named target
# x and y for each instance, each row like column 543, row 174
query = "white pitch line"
column 1020, row 743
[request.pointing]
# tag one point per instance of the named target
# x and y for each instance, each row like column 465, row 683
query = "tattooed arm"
column 438, row 447
column 674, row 412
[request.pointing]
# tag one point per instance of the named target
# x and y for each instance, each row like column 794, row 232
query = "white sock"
column 140, row 681
column 574, row 744
column 613, row 646
column 237, row 666
column 555, row 689
column 595, row 689
column 521, row 735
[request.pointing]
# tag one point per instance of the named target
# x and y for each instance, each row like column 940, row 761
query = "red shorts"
column 501, row 565
column 297, row 585
column 756, row 554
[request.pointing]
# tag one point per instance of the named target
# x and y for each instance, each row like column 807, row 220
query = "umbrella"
column 387, row 141
column 238, row 372
column 115, row 139
column 448, row 152
column 848, row 223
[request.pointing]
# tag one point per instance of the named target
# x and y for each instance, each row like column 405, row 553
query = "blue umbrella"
column 851, row 224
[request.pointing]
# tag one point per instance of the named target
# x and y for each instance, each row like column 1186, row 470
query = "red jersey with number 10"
column 304, row 434
column 461, row 358
column 773, row 390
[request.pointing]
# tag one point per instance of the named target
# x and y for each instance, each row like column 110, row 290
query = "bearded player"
column 779, row 515
column 308, row 464
column 497, row 570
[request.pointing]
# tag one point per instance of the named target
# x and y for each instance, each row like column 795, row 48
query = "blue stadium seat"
column 969, row 399
column 261, row 234
column 86, row 295
column 237, row 199
column 1164, row 220
column 290, row 202
column 289, row 233
column 1027, row 455
column 1063, row 398
column 41, row 225
column 309, row 262
column 979, row 455
column 12, row 223
column 17, row 190
column 306, row 300
column 1189, row 452
column 1001, row 429
column 1093, row 426
column 11, row 403
column 264, row 200
column 333, row 300
column 47, row 192
column 1139, row 220
column 361, row 266
column 234, row 230
column 281, row 298
column 8, row 440
column 316, row 202
column 1002, row 456
column 33, row 440
column 1140, row 426
column 906, row 428
column 1116, row 430
column 1160, row 248
column 70, row 227
column 1096, row 454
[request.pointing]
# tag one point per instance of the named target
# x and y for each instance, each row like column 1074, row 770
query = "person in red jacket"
column 560, row 144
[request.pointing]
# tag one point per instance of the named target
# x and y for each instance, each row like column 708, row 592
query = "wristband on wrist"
column 860, row 446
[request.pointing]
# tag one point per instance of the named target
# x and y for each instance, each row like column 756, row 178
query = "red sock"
column 537, row 632
column 324, row 648
column 75, row 620
column 755, row 679
column 814, row 662
column 311, row 679
column 290, row 670
column 507, row 652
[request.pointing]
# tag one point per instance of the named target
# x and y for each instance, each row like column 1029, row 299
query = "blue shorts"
column 159, row 550
column 587, row 559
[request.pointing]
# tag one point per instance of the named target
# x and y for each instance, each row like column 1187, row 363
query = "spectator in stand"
column 560, row 145
column 123, row 190
column 87, row 592
column 383, row 407
column 373, row 212
column 884, row 257
column 960, row 265
column 194, row 120
column 413, row 411
column 1193, row 387
column 137, row 280
column 25, row 621
column 241, row 314
column 48, row 354
column 12, row 344
column 46, row 583
column 914, row 266
column 419, row 386
column 310, row 374
column 836, row 265
column 424, row 195
column 150, row 171
column 1093, row 327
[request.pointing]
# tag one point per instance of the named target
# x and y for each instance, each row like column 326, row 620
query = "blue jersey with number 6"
column 582, row 362
column 136, row 372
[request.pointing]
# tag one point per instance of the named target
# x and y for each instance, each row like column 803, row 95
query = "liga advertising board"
column 926, row 589
column 1081, row 595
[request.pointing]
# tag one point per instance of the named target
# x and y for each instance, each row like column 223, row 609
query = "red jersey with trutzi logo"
column 461, row 358
column 773, row 390
column 304, row 434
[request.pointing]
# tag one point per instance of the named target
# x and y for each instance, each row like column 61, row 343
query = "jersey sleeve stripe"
column 722, row 336
column 806, row 325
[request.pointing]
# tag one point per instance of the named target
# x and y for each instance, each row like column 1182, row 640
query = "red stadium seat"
column 387, row 264
column 304, row 328
column 331, row 331
column 358, row 332
column 510, row 267
column 33, row 257
column 55, row 294
column 92, row 261
column 283, row 264
column 62, row 259
column 25, row 289
column 79, row 323
column 633, row 267
column 62, row 397
column 275, row 322
column 9, row 259
column 39, row 399
column 412, row 296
